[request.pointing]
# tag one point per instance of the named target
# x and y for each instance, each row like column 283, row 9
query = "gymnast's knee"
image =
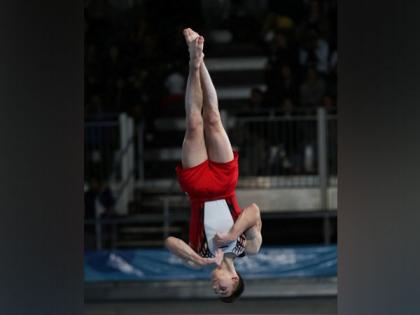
column 194, row 122
column 212, row 119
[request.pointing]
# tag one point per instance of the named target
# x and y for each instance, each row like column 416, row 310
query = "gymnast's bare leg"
column 193, row 147
column 219, row 148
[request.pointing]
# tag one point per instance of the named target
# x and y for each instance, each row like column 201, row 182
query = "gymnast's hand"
column 217, row 259
column 222, row 239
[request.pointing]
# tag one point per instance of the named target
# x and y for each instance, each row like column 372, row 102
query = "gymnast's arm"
column 253, row 239
column 181, row 249
column 248, row 222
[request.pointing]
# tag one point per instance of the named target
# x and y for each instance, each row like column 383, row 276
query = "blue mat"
column 159, row 264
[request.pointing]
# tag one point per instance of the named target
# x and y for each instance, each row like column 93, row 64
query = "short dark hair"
column 237, row 293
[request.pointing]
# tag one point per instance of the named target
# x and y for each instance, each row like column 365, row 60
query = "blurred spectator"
column 286, row 157
column 99, row 199
column 254, row 148
column 136, row 95
column 255, row 105
column 287, row 108
column 173, row 100
column 274, row 24
column 281, row 51
column 256, row 101
column 314, row 13
column 288, row 86
column 331, row 79
column 245, row 26
column 315, row 52
column 321, row 16
column 175, row 83
column 312, row 89
column 281, row 83
column 328, row 103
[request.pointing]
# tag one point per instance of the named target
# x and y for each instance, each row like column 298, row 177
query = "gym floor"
column 302, row 306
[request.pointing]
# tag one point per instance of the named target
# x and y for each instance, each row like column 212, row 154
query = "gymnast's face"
column 223, row 282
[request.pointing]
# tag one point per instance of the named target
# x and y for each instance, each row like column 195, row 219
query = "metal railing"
column 164, row 219
column 109, row 158
column 282, row 150
column 279, row 148
column 109, row 151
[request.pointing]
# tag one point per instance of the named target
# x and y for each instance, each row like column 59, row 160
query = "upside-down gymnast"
column 220, row 230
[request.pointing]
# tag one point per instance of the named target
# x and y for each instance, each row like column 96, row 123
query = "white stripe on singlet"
column 217, row 218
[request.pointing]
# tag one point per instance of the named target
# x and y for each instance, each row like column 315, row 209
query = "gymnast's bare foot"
column 195, row 44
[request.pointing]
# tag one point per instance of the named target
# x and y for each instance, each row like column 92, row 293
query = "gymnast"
column 220, row 231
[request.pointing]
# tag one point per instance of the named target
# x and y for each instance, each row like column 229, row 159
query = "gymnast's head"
column 227, row 284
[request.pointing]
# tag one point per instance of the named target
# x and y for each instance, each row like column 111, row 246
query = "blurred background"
column 274, row 65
